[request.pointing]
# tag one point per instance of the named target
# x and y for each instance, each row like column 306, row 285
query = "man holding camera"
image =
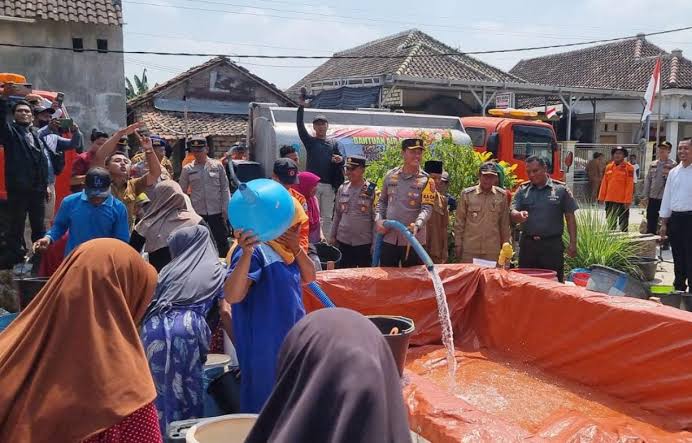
column 26, row 175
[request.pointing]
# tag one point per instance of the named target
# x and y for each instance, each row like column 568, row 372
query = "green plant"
column 140, row 87
column 597, row 245
column 460, row 161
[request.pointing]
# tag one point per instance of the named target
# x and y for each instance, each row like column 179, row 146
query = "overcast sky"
column 311, row 27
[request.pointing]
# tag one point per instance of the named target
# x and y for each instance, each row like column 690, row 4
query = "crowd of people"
column 162, row 319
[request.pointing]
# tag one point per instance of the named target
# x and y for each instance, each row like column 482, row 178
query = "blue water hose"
column 393, row 224
column 320, row 294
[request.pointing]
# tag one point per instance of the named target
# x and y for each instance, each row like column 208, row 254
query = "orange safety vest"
column 618, row 183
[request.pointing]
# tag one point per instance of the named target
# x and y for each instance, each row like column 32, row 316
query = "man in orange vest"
column 617, row 189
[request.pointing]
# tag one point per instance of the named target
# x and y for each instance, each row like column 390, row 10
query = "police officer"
column 482, row 218
column 354, row 216
column 407, row 196
column 209, row 193
column 436, row 240
column 542, row 204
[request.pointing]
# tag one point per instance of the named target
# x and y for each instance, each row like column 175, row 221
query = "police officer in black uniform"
column 354, row 216
column 542, row 205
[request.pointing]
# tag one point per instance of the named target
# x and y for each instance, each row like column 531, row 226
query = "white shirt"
column 677, row 195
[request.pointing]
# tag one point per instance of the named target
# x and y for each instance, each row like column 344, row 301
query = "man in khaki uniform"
column 595, row 168
column 354, row 216
column 207, row 182
column 482, row 219
column 407, row 196
column 436, row 230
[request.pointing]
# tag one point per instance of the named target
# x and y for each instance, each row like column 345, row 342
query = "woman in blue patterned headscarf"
column 176, row 330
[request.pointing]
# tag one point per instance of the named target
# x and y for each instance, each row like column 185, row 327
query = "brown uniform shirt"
column 208, row 185
column 655, row 181
column 482, row 223
column 128, row 195
column 437, row 239
column 406, row 198
column 354, row 214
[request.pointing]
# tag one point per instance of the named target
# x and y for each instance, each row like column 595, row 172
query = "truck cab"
column 514, row 140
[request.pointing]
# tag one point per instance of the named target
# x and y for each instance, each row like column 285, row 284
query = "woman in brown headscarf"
column 72, row 364
column 168, row 211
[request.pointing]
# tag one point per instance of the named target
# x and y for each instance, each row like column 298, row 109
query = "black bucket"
column 398, row 343
column 673, row 299
column 327, row 253
column 27, row 288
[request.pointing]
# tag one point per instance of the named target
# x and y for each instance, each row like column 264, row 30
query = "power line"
column 330, row 18
column 356, row 57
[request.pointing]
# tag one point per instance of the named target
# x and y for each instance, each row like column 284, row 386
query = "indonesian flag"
column 652, row 89
column 550, row 112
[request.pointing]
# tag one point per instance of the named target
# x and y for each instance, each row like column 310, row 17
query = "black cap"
column 123, row 141
column 355, row 161
column 41, row 109
column 287, row 171
column 619, row 148
column 412, row 143
column 238, row 147
column 433, row 167
column 488, row 168
column 320, row 117
column 197, row 143
column 97, row 183
column 666, row 144
column 158, row 142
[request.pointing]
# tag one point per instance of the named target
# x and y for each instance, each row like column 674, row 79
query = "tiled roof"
column 150, row 94
column 624, row 65
column 171, row 125
column 408, row 44
column 96, row 12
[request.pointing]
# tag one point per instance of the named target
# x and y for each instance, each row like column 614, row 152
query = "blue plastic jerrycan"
column 263, row 206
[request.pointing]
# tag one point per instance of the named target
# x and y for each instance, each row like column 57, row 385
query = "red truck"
column 514, row 140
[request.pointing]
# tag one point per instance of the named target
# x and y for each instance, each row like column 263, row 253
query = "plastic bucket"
column 6, row 319
column 538, row 273
column 673, row 299
column 214, row 367
column 686, row 301
column 613, row 282
column 398, row 343
column 647, row 267
column 581, row 278
column 327, row 253
column 232, row 428
column 28, row 288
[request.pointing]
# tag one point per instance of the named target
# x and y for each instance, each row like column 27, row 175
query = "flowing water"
column 445, row 321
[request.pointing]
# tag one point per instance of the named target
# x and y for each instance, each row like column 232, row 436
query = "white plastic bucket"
column 232, row 428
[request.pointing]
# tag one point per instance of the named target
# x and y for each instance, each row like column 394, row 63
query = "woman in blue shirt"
column 264, row 289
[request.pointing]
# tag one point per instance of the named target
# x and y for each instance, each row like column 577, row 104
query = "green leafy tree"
column 140, row 86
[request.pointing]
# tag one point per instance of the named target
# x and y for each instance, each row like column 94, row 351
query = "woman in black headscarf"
column 337, row 382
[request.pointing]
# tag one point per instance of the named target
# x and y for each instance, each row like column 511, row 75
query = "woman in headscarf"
column 336, row 382
column 307, row 186
column 264, row 290
column 168, row 210
column 177, row 326
column 72, row 366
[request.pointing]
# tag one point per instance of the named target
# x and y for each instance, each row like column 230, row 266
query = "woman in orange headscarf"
column 72, row 364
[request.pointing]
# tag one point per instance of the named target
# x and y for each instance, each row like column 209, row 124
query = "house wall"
column 93, row 83
column 229, row 84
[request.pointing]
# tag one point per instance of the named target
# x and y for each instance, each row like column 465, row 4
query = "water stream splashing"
column 445, row 321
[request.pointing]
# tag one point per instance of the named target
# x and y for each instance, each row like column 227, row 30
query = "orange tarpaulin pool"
column 538, row 361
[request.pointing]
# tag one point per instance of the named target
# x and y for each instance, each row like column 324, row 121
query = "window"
column 102, row 45
column 77, row 45
column 477, row 136
column 533, row 140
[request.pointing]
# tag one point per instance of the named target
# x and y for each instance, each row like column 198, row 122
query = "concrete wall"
column 93, row 83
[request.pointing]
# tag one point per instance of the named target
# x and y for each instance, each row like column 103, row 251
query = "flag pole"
column 658, row 119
